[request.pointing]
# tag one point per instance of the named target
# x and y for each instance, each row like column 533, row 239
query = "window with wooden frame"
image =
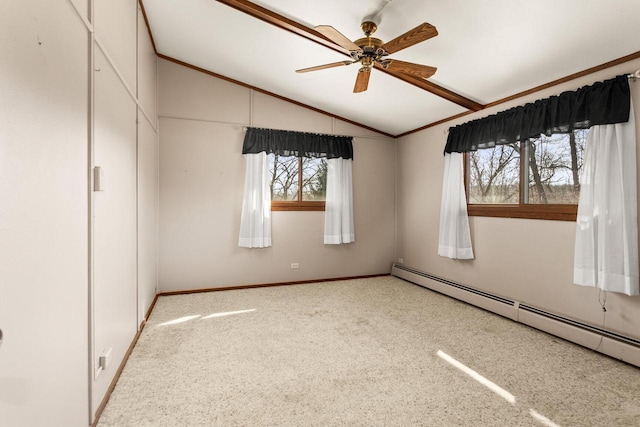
column 297, row 165
column 526, row 162
column 538, row 178
column 297, row 183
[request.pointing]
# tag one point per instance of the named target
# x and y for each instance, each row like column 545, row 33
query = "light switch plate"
column 98, row 179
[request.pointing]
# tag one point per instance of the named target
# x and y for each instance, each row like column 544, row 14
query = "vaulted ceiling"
column 485, row 51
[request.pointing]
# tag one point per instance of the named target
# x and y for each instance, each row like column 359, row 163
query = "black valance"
column 602, row 103
column 299, row 144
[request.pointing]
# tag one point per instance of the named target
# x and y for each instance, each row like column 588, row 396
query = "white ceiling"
column 486, row 49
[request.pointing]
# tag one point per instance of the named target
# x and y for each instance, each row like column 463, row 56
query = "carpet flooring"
column 367, row 352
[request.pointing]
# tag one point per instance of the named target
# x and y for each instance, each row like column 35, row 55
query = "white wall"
column 147, row 217
column 147, row 170
column 114, row 226
column 202, row 179
column 78, row 269
column 43, row 215
column 530, row 261
column 125, row 220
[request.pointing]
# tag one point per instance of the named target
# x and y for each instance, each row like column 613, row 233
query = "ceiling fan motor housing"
column 372, row 49
column 368, row 28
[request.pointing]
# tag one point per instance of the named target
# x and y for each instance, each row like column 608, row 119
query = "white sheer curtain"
column 338, row 216
column 606, row 248
column 455, row 237
column 255, row 223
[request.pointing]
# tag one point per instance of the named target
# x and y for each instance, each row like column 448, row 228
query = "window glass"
column 539, row 178
column 314, row 178
column 554, row 165
column 284, row 177
column 494, row 175
column 297, row 180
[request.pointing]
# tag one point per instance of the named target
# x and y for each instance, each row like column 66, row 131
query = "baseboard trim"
column 625, row 349
column 267, row 285
column 116, row 376
column 148, row 313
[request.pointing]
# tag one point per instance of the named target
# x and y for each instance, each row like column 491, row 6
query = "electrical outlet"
column 400, row 261
column 295, row 265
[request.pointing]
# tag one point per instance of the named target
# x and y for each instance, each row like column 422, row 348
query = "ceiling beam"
column 282, row 22
column 434, row 89
column 287, row 24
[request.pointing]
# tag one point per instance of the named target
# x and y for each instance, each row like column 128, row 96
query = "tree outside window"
column 539, row 178
column 297, row 183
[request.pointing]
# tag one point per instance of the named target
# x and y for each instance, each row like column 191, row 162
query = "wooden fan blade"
column 418, row 70
column 362, row 81
column 322, row 67
column 419, row 34
column 337, row 37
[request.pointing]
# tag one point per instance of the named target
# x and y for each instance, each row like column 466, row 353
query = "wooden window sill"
column 548, row 212
column 297, row 206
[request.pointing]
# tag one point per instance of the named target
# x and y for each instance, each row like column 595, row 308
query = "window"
column 297, row 183
column 298, row 165
column 539, row 178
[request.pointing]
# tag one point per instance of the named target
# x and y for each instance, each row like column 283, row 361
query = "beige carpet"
column 360, row 353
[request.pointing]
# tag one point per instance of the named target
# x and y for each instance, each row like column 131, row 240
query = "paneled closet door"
column 114, row 224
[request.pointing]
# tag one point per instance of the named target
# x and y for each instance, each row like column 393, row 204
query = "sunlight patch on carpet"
column 476, row 376
column 227, row 313
column 544, row 420
column 179, row 320
column 210, row 316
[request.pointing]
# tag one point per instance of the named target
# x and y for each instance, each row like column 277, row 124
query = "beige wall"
column 148, row 163
column 202, row 179
column 78, row 269
column 125, row 220
column 530, row 261
column 43, row 215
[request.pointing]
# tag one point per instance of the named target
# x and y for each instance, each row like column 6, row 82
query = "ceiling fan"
column 371, row 52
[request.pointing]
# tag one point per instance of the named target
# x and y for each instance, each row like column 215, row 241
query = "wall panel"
column 116, row 28
column 114, row 216
column 270, row 112
column 147, row 216
column 83, row 7
column 43, row 215
column 189, row 94
column 147, row 76
column 202, row 180
column 69, row 263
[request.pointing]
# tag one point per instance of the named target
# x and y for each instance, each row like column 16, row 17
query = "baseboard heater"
column 593, row 337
